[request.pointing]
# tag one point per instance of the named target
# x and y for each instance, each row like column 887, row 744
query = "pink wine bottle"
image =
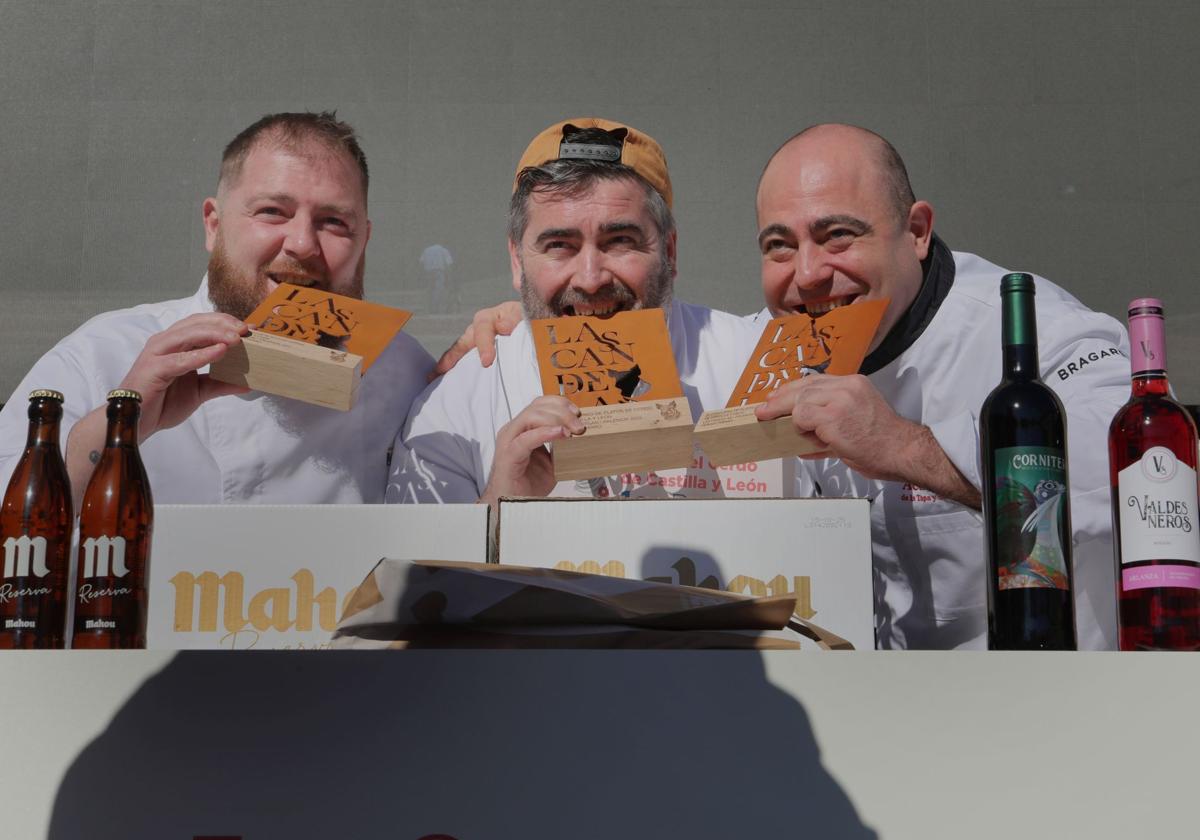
column 1152, row 451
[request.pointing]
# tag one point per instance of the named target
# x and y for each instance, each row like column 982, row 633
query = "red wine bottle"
column 1026, row 503
column 1152, row 462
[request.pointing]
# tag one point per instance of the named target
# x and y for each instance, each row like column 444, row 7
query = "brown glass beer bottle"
column 36, row 520
column 115, row 524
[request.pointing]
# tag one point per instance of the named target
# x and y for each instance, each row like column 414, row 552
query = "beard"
column 656, row 294
column 238, row 293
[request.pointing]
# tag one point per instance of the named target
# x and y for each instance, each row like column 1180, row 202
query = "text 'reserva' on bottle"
column 36, row 521
column 1026, row 503
column 116, row 519
column 1152, row 463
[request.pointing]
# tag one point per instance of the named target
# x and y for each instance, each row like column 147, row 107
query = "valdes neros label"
column 1156, row 501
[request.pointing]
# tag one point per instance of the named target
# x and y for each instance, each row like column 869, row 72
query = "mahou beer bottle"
column 115, row 524
column 1152, row 462
column 35, row 533
column 1026, row 506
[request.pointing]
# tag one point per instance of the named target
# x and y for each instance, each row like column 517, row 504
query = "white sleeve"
column 1090, row 374
column 58, row 370
column 437, row 457
column 1088, row 369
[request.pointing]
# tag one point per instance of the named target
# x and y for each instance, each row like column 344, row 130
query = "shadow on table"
column 472, row 744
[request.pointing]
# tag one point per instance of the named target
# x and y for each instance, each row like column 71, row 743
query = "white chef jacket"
column 446, row 451
column 247, row 449
column 929, row 553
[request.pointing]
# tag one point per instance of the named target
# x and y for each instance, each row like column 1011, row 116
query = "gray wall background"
column 1058, row 137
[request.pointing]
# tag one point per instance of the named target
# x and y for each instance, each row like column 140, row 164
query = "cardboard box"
column 265, row 576
column 818, row 549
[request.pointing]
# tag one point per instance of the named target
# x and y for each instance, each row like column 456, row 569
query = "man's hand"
column 522, row 466
column 165, row 371
column 485, row 326
column 851, row 417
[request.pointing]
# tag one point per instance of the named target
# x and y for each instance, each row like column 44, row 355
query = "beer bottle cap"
column 45, row 393
column 124, row 394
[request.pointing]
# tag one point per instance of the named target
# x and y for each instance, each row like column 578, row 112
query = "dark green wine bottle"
column 1026, row 503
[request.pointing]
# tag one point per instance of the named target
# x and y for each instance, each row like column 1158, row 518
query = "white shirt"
column 450, row 439
column 249, row 449
column 929, row 553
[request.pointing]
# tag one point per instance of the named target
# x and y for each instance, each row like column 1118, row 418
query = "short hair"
column 291, row 131
column 572, row 178
column 891, row 165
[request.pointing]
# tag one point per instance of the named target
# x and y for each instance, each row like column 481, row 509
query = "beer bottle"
column 115, row 523
column 36, row 521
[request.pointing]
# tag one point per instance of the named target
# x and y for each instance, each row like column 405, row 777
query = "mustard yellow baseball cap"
column 637, row 150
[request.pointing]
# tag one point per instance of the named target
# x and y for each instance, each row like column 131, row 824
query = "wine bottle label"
column 1156, row 501
column 1031, row 501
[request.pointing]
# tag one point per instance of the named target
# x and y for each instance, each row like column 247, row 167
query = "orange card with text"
column 603, row 361
column 328, row 320
column 793, row 346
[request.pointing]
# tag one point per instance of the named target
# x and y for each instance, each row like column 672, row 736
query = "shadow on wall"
column 398, row 745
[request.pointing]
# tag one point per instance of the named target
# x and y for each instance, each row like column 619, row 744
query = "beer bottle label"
column 103, row 589
column 1031, row 486
column 26, row 580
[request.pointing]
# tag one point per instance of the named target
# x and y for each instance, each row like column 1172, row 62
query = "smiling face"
column 830, row 231
column 292, row 215
column 595, row 253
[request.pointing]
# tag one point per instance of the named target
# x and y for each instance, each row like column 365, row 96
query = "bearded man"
column 291, row 206
column 590, row 233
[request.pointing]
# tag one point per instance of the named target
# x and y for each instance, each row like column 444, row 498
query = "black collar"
column 937, row 276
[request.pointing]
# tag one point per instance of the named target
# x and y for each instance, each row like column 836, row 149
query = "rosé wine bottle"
column 1152, row 451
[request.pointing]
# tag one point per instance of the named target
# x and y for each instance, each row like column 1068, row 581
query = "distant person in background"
column 291, row 206
column 838, row 224
column 436, row 261
column 590, row 233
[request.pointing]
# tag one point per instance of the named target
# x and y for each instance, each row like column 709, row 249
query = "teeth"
column 582, row 310
column 821, row 307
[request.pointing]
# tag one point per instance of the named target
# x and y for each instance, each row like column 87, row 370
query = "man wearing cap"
column 838, row 224
column 590, row 233
column 291, row 206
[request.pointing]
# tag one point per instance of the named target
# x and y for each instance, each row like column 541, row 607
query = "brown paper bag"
column 407, row 604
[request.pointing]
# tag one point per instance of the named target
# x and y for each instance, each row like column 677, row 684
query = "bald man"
column 838, row 224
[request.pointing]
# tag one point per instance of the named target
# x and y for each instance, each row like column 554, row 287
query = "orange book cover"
column 796, row 345
column 328, row 320
column 603, row 361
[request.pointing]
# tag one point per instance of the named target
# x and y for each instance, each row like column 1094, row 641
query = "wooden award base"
column 735, row 436
column 295, row 369
column 627, row 437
